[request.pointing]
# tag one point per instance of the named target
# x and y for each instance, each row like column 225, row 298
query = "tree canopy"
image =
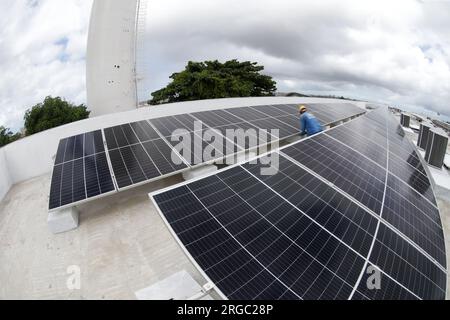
column 6, row 136
column 213, row 79
column 53, row 112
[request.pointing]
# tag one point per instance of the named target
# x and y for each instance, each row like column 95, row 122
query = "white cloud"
column 42, row 50
column 391, row 51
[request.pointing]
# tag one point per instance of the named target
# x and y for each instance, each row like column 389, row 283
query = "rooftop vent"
column 436, row 147
column 405, row 120
column 425, row 128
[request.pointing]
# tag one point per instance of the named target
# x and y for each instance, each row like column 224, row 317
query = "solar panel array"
column 144, row 151
column 138, row 154
column 342, row 201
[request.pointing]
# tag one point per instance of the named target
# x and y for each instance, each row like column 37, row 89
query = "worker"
column 308, row 123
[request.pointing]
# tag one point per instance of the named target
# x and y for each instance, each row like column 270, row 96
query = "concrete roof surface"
column 121, row 247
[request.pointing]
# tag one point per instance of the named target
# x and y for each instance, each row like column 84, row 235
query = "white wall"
column 5, row 180
column 34, row 156
column 110, row 58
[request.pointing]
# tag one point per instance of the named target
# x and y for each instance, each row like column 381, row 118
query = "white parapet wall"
column 34, row 156
column 5, row 179
column 110, row 59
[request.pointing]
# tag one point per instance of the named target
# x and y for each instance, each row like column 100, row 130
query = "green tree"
column 6, row 136
column 53, row 112
column 213, row 79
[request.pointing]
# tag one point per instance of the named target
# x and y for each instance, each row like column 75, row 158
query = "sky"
column 396, row 52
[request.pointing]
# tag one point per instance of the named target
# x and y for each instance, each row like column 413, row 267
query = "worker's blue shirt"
column 309, row 124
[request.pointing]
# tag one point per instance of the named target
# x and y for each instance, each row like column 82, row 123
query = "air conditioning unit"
column 436, row 147
column 405, row 120
column 425, row 128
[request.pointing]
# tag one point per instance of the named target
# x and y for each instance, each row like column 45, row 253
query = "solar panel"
column 273, row 258
column 143, row 151
column 168, row 125
column 414, row 178
column 285, row 130
column 247, row 114
column 217, row 118
column 81, row 171
column 222, row 121
column 391, row 290
column 138, row 154
column 274, row 111
column 291, row 112
column 404, row 208
column 407, row 266
column 343, row 167
column 370, row 145
column 424, row 230
column 335, row 111
column 337, row 214
column 311, row 230
column 413, row 210
column 325, row 111
column 286, row 121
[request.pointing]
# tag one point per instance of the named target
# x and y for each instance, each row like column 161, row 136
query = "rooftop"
column 122, row 245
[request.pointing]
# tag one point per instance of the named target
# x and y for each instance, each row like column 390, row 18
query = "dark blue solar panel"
column 389, row 290
column 168, row 125
column 370, row 145
column 408, row 266
column 238, row 237
column 81, row 171
column 340, row 216
column 247, row 114
column 138, row 154
column 342, row 166
column 415, row 218
column 246, row 228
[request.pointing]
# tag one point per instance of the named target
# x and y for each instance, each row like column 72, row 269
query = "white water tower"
column 111, row 76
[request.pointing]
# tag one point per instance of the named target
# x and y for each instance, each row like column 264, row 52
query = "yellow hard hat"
column 302, row 108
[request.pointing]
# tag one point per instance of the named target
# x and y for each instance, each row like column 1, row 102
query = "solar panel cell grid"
column 322, row 204
column 138, row 154
column 415, row 225
column 84, row 166
column 132, row 165
column 168, row 125
column 406, row 265
column 325, row 110
column 273, row 111
column 247, row 114
column 144, row 131
column 77, row 147
column 368, row 148
column 291, row 221
column 61, row 151
column 363, row 126
column 162, row 157
column 217, row 118
column 285, row 130
column 415, row 199
column 345, row 168
column 272, row 249
column 291, row 121
column 389, row 290
column 413, row 178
